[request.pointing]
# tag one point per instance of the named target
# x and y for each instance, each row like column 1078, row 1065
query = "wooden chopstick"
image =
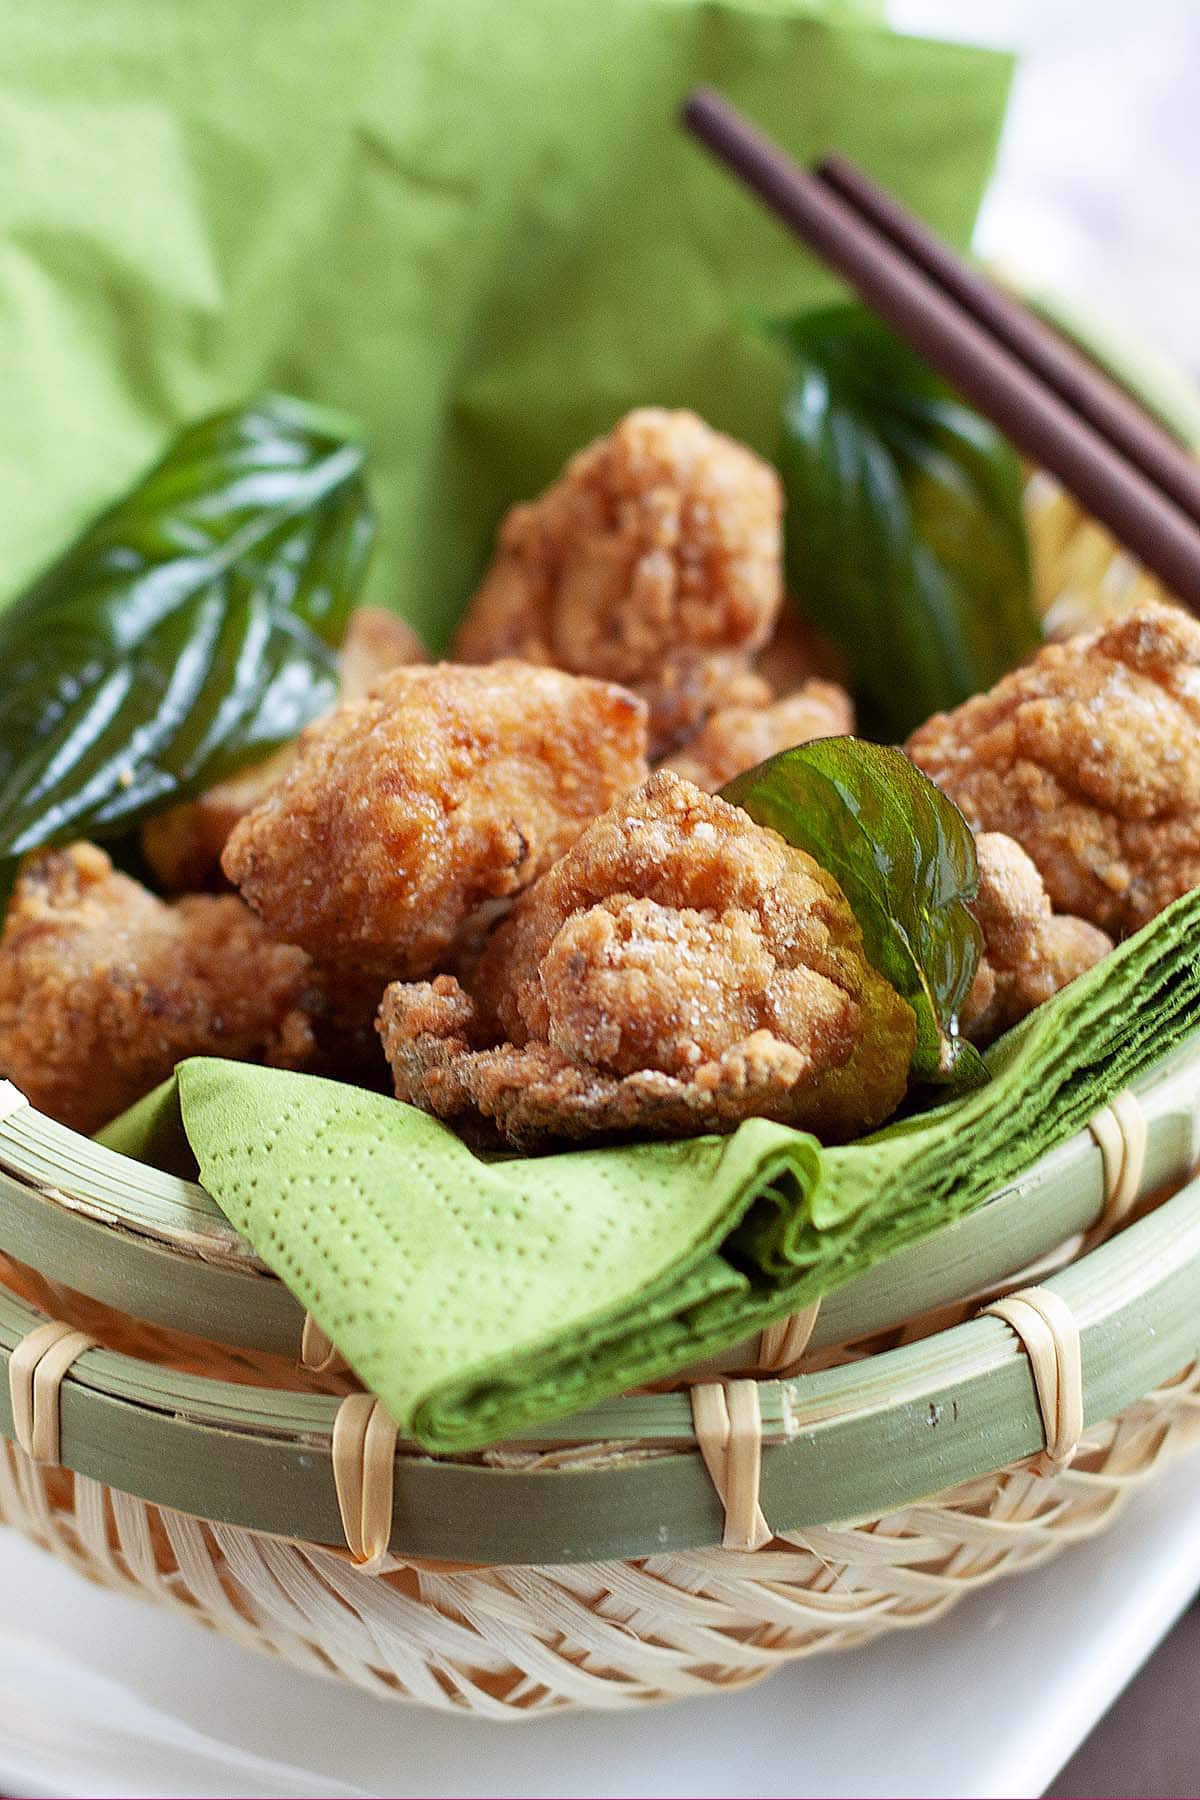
column 984, row 369
column 1092, row 393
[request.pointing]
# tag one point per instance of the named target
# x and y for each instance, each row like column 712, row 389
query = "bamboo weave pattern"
column 521, row 1642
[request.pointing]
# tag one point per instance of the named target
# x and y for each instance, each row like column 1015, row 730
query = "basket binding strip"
column 868, row 1434
column 131, row 1237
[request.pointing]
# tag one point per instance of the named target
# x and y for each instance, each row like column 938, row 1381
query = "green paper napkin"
column 478, row 1297
column 475, row 225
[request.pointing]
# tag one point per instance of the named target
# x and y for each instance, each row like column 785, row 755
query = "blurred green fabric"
column 477, row 226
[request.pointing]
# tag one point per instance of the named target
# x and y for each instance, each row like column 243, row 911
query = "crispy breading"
column 679, row 970
column 447, row 789
column 104, row 987
column 736, row 738
column 1030, row 951
column 1089, row 756
column 183, row 845
column 654, row 560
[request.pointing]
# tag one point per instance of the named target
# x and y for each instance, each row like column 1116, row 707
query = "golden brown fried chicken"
column 1089, row 756
column 447, row 789
column 679, row 970
column 735, row 738
column 183, row 845
column 654, row 561
column 104, row 987
column 1030, row 951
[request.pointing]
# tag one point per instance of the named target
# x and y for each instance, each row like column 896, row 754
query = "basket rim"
column 161, row 1249
column 849, row 1443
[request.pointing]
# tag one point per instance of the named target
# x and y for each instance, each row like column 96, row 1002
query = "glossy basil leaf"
column 191, row 628
column 905, row 537
column 904, row 857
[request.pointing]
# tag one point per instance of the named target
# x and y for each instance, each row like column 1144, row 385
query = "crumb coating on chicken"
column 104, row 987
column 1089, row 756
column 679, row 970
column 183, row 845
column 1030, row 951
column 446, row 790
column 736, row 738
column 654, row 560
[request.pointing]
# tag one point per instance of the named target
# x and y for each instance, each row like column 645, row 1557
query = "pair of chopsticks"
column 1057, row 408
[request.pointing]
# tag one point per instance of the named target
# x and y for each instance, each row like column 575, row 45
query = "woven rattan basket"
column 903, row 1450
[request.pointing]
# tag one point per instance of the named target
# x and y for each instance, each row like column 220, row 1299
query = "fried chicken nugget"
column 1030, row 951
column 447, row 789
column 104, row 987
column 679, row 970
column 1089, row 756
column 735, row 738
column 183, row 845
column 654, row 560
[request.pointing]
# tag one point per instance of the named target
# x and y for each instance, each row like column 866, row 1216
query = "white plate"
column 101, row 1694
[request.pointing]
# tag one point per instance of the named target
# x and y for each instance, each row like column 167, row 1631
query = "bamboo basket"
column 904, row 1449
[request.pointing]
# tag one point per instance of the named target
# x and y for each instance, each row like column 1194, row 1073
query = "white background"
column 1098, row 188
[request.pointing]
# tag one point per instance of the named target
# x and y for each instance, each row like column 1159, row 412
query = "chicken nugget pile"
column 505, row 885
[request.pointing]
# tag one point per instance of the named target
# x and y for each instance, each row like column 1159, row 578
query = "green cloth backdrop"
column 474, row 223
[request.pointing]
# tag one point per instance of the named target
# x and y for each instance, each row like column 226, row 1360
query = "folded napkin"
column 478, row 1297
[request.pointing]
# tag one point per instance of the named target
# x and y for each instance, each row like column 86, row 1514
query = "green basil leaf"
column 190, row 629
column 904, row 857
column 905, row 536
